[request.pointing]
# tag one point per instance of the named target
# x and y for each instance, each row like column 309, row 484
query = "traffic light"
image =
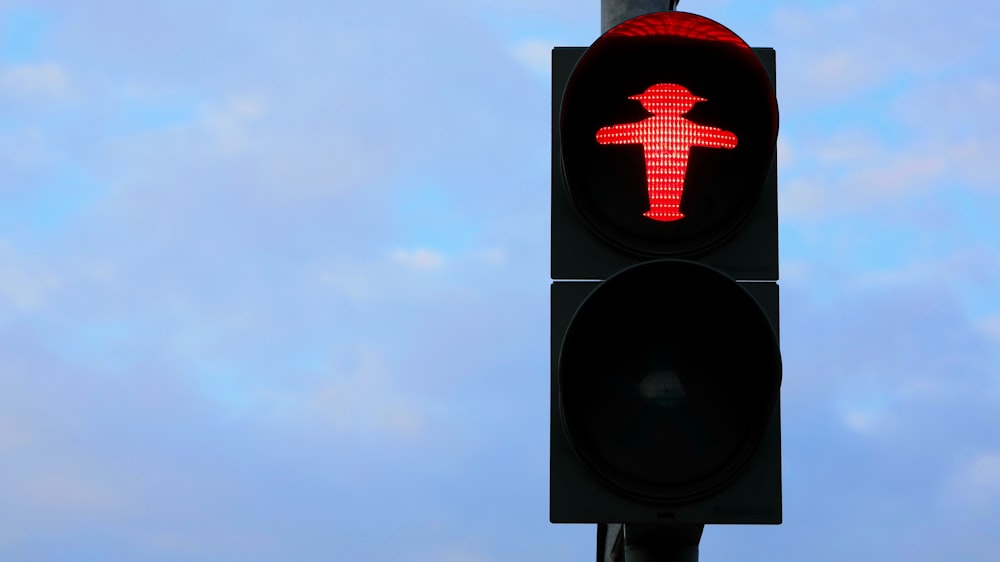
column 666, row 366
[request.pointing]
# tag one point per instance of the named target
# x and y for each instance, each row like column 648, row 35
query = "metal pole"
column 662, row 543
column 613, row 12
column 610, row 543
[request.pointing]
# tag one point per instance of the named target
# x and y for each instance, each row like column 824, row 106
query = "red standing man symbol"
column 666, row 137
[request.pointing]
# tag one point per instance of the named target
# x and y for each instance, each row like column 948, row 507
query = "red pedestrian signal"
column 696, row 122
column 667, row 137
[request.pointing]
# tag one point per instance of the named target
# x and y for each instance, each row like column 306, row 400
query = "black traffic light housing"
column 665, row 362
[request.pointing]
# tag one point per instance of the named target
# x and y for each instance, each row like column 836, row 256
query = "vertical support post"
column 613, row 12
column 610, row 544
column 662, row 543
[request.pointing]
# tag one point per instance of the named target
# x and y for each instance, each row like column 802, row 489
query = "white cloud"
column 899, row 117
column 23, row 289
column 967, row 266
column 492, row 256
column 863, row 422
column 956, row 120
column 419, row 258
column 977, row 482
column 536, row 54
column 228, row 125
column 365, row 403
column 35, row 80
column 838, row 52
column 351, row 282
column 855, row 172
column 803, row 198
column 24, row 286
column 839, row 70
column 990, row 326
column 868, row 406
column 65, row 489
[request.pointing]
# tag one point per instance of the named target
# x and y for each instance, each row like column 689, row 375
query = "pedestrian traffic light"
column 665, row 359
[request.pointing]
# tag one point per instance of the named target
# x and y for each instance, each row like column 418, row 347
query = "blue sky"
column 274, row 280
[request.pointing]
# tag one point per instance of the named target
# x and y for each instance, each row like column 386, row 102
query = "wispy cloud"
column 34, row 81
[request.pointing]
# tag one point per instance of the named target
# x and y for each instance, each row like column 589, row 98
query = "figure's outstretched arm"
column 623, row 133
column 715, row 138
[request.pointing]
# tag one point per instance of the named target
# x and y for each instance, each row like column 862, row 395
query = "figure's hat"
column 666, row 94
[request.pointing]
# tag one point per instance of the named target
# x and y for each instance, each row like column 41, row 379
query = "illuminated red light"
column 676, row 24
column 666, row 137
